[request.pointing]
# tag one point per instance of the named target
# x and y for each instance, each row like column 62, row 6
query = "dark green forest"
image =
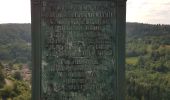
column 15, row 42
column 15, row 57
column 147, row 61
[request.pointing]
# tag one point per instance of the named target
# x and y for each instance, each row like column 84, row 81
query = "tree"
column 141, row 62
column 2, row 77
column 17, row 75
column 5, row 93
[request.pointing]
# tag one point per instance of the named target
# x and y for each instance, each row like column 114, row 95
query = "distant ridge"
column 15, row 42
column 133, row 29
column 141, row 29
column 15, row 39
column 11, row 33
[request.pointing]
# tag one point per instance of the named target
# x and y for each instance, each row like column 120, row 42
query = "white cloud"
column 15, row 11
column 149, row 11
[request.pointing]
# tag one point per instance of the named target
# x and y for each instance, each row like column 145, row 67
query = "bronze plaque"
column 78, row 50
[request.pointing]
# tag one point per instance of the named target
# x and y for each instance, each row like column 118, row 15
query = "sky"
column 143, row 11
column 148, row 11
column 15, row 11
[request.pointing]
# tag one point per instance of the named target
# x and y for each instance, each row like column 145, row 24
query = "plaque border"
column 36, row 48
column 121, row 41
column 37, row 53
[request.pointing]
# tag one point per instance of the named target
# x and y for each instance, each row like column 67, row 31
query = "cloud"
column 15, row 11
column 149, row 11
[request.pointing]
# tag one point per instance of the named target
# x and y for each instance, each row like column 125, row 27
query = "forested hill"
column 147, row 59
column 15, row 42
column 21, row 32
column 15, row 39
column 140, row 30
column 10, row 33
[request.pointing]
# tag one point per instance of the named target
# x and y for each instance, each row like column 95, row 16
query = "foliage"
column 15, row 42
column 137, row 30
column 17, row 75
column 16, row 90
column 15, row 48
column 2, row 77
column 147, row 68
column 149, row 78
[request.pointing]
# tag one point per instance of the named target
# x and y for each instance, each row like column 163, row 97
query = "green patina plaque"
column 78, row 49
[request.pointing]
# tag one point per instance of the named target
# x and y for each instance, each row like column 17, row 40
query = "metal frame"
column 120, row 31
column 36, row 48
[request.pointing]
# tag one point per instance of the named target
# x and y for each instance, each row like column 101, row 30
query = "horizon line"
column 126, row 22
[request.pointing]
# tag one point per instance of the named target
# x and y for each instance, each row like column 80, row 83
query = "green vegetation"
column 132, row 60
column 147, row 62
column 15, row 52
column 15, row 42
column 12, row 86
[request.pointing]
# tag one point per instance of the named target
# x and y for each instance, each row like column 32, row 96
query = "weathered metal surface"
column 78, row 49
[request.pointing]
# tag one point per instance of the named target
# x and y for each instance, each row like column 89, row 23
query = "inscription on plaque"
column 78, row 55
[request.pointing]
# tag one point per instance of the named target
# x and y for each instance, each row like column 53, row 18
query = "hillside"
column 15, row 39
column 10, row 33
column 140, row 30
column 15, row 42
column 147, row 58
column 148, row 62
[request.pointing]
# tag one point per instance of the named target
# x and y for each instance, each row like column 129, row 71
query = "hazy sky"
column 15, row 11
column 149, row 11
column 146, row 11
